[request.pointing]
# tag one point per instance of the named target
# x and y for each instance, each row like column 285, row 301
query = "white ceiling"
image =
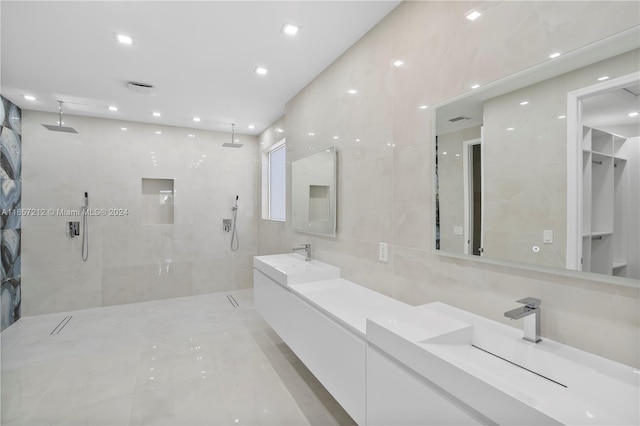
column 199, row 55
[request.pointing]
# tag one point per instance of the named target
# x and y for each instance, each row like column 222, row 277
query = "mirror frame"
column 606, row 48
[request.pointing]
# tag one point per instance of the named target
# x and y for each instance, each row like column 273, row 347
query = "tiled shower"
column 157, row 199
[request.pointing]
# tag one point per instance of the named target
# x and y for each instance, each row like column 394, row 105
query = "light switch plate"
column 383, row 252
column 547, row 236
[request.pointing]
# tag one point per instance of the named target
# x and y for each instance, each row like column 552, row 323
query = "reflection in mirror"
column 313, row 193
column 504, row 185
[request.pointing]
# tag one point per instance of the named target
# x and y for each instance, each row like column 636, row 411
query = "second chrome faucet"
column 531, row 314
column 307, row 250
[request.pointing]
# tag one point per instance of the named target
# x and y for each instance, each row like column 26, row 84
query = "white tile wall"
column 128, row 261
column 385, row 192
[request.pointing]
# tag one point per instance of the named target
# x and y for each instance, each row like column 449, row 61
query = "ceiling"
column 200, row 56
column 611, row 111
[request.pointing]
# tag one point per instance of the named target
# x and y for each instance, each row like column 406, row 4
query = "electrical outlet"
column 383, row 252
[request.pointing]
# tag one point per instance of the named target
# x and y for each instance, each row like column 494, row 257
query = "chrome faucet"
column 531, row 314
column 307, row 250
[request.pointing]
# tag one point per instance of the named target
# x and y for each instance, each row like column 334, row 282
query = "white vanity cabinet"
column 271, row 300
column 334, row 355
column 398, row 396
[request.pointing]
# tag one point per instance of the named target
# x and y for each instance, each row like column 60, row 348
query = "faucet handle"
column 530, row 302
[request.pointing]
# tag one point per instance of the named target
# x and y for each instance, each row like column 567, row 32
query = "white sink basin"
column 490, row 367
column 290, row 268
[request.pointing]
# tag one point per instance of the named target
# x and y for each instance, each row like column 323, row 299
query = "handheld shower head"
column 86, row 199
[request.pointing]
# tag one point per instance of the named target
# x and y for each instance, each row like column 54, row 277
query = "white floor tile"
column 184, row 361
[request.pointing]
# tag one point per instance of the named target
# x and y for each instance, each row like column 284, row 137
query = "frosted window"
column 277, row 183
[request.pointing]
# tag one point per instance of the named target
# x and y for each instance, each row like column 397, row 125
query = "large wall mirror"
column 523, row 175
column 313, row 193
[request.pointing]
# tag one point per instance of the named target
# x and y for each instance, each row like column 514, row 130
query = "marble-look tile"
column 59, row 290
column 110, row 164
column 146, row 282
column 365, row 198
column 411, row 198
column 440, row 62
column 190, row 361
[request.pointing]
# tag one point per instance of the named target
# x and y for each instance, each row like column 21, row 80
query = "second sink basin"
column 290, row 268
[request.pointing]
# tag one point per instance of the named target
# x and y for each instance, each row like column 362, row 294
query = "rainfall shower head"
column 60, row 127
column 233, row 135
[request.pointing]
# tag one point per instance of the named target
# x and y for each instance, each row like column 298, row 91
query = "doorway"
column 473, row 197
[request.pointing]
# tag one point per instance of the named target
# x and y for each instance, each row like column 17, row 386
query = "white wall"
column 385, row 178
column 129, row 261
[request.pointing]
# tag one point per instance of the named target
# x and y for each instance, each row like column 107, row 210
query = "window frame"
column 267, row 184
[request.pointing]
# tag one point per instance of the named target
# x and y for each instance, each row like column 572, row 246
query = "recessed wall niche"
column 157, row 201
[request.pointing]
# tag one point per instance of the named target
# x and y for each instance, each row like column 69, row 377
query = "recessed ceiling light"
column 562, row 116
column 191, row 135
column 424, row 106
column 633, row 114
column 336, row 137
column 196, row 119
column 158, row 132
column 554, row 55
column 290, row 29
column 251, row 126
column 30, row 97
column 156, row 114
column 398, row 63
column 279, row 130
column 603, row 78
column 113, row 108
column 524, row 103
column 125, row 39
column 123, row 128
column 260, row 70
column 357, row 140
column 352, row 91
column 509, row 128
column 475, row 86
column 473, row 15
column 311, row 134
column 444, row 153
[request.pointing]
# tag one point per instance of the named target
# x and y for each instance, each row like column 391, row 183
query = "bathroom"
column 383, row 134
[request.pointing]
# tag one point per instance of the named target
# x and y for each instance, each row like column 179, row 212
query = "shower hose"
column 235, row 241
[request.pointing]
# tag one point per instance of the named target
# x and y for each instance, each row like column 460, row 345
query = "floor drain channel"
column 233, row 301
column 61, row 325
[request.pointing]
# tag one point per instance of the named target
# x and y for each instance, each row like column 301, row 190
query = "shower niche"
column 157, row 201
column 313, row 193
